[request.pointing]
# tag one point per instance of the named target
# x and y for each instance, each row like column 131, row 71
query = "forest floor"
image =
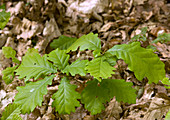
column 36, row 23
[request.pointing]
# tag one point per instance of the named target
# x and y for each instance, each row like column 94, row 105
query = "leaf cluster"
column 143, row 62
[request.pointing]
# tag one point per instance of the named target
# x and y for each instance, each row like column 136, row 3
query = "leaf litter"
column 35, row 23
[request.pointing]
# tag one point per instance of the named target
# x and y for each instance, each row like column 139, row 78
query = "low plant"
column 4, row 17
column 101, row 89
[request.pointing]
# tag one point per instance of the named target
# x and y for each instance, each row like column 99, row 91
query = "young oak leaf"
column 16, row 117
column 89, row 41
column 99, row 68
column 63, row 42
column 31, row 95
column 95, row 94
column 11, row 111
column 143, row 62
column 10, row 53
column 8, row 74
column 66, row 97
column 166, row 81
column 77, row 67
column 59, row 58
column 4, row 18
column 33, row 65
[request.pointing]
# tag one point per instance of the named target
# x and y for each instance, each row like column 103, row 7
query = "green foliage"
column 89, row 41
column 77, row 67
column 141, row 36
column 111, row 60
column 95, row 94
column 33, row 65
column 59, row 58
column 11, row 112
column 2, row 7
column 166, row 81
column 143, row 62
column 152, row 48
column 4, row 17
column 10, row 53
column 99, row 68
column 8, row 74
column 66, row 97
column 63, row 42
column 167, row 116
column 31, row 95
column 163, row 38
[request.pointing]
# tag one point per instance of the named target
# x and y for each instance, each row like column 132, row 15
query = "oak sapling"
column 143, row 62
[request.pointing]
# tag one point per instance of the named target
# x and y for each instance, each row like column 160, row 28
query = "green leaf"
column 141, row 36
column 167, row 116
column 10, row 112
column 33, row 65
column 89, row 41
column 66, row 97
column 152, row 48
column 96, row 94
column 111, row 60
column 16, row 117
column 59, row 58
column 10, row 53
column 96, row 53
column 63, row 42
column 99, row 68
column 8, row 74
column 31, row 95
column 77, row 67
column 166, row 81
column 4, row 18
column 163, row 38
column 143, row 62
column 3, row 7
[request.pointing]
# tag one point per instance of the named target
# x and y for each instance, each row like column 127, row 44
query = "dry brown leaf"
column 107, row 26
column 79, row 114
column 2, row 40
column 163, row 49
column 51, row 29
column 113, row 110
column 139, row 2
column 19, row 8
column 29, row 29
column 157, row 109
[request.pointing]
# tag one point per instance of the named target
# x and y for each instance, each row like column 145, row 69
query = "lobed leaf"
column 31, row 95
column 33, row 65
column 63, row 42
column 8, row 74
column 95, row 94
column 11, row 111
column 89, row 41
column 143, row 62
column 77, row 67
column 99, row 68
column 59, row 58
column 10, row 53
column 66, row 97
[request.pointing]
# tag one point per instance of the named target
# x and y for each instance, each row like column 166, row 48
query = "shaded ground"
column 35, row 23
